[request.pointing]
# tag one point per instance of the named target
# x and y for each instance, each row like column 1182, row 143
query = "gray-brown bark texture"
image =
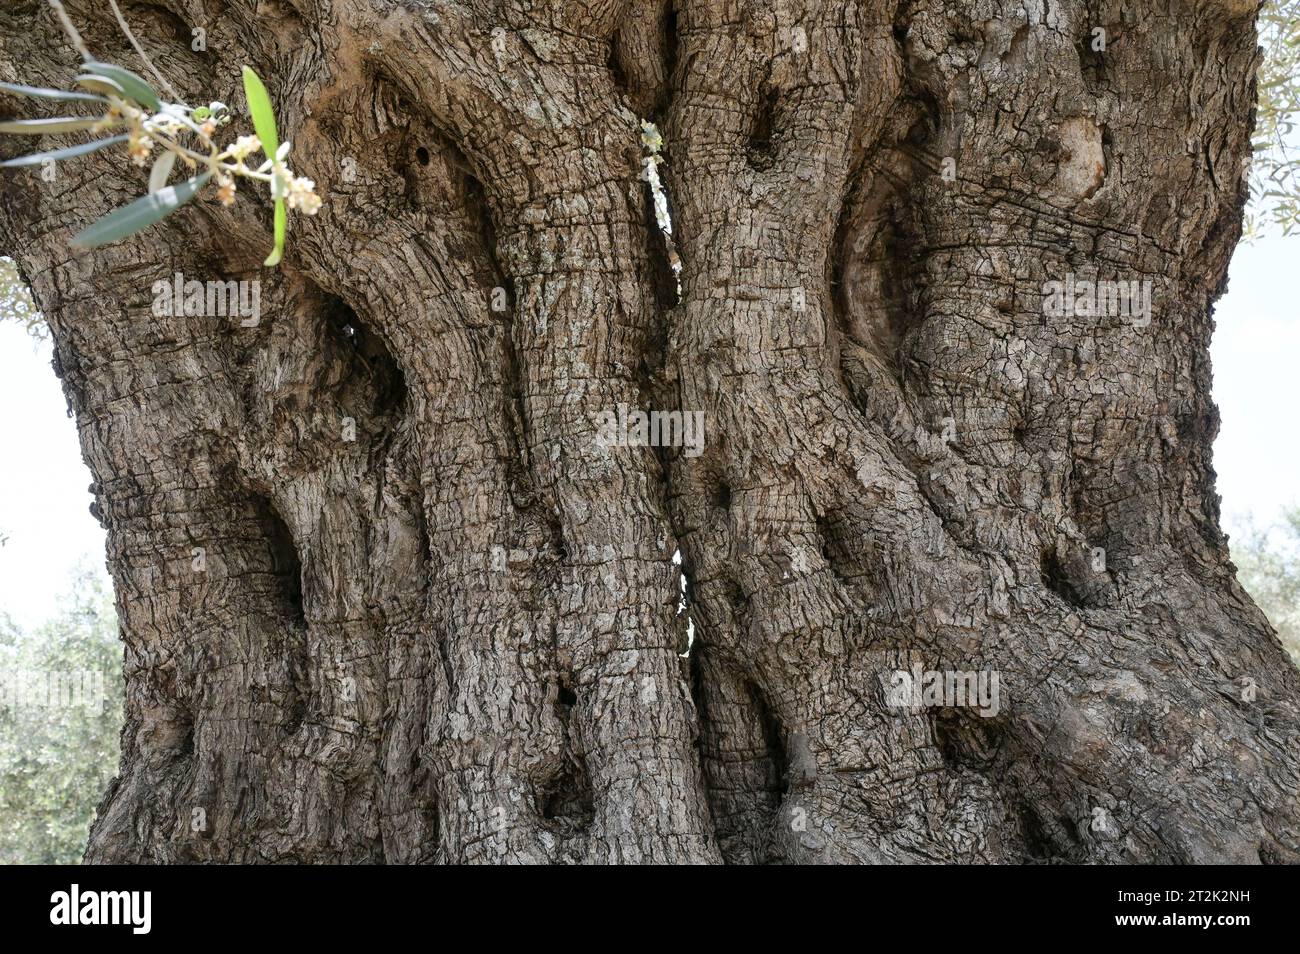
column 457, row 637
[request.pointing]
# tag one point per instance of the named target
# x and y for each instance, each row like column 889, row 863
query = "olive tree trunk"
column 388, row 593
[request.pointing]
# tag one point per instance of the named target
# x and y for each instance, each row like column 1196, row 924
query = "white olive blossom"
column 138, row 148
column 302, row 195
column 226, row 191
column 244, row 146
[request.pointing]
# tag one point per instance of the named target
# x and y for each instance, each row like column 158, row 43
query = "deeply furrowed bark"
column 456, row 637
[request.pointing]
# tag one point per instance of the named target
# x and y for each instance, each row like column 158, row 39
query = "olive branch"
column 130, row 107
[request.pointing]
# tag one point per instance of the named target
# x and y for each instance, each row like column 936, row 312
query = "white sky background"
column 44, row 502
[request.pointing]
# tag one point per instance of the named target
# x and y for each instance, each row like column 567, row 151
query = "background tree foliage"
column 1275, row 180
column 56, row 763
column 16, row 301
column 1268, row 566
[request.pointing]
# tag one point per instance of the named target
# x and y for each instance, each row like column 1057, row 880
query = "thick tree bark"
column 457, row 637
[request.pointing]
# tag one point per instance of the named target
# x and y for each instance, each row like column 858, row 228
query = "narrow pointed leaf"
column 134, row 87
column 37, row 92
column 259, row 107
column 162, row 168
column 101, row 84
column 43, row 127
column 140, row 214
column 68, row 152
column 281, row 226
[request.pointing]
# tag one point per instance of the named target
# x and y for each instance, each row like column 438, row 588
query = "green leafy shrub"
column 57, row 760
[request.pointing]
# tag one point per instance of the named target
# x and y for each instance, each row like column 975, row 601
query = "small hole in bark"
column 722, row 497
column 1092, row 63
column 1038, row 844
column 422, row 155
column 736, row 596
column 566, row 696
column 1056, row 577
column 826, row 539
column 566, row 799
column 762, row 150
column 297, row 713
column 615, row 66
column 967, row 739
column 1066, row 824
column 186, row 748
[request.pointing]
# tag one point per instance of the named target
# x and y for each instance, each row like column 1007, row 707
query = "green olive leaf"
column 68, row 152
column 259, row 107
column 281, row 225
column 162, row 168
column 101, row 84
column 140, row 214
column 134, row 87
column 43, row 127
column 38, row 92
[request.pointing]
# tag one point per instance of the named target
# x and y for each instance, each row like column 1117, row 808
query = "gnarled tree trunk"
column 386, row 595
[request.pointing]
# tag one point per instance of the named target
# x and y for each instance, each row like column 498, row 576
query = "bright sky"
column 1256, row 358
column 44, row 503
column 1256, row 353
